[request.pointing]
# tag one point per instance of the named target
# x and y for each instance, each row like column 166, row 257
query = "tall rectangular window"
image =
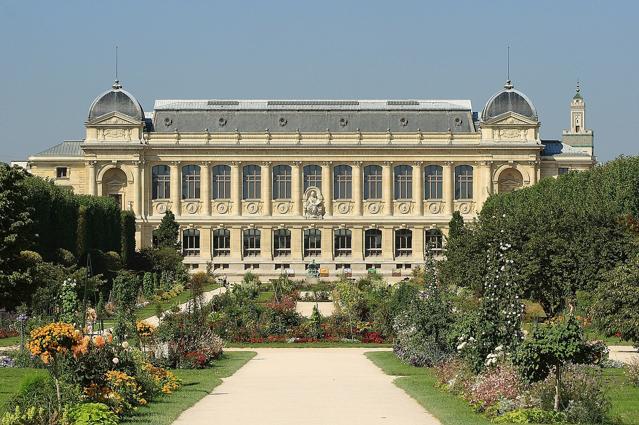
column 403, row 182
column 160, row 182
column 191, row 243
column 372, row 243
column 342, row 182
column 463, row 182
column 373, row 182
column 433, row 182
column 312, row 243
column 342, row 242
column 282, row 182
column 281, row 242
column 403, row 243
column 221, row 182
column 221, row 243
column 191, row 182
column 251, row 242
column 252, row 182
column 312, row 176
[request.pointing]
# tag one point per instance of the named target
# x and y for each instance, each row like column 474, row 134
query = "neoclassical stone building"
column 276, row 184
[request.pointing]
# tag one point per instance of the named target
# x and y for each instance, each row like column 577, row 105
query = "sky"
column 57, row 56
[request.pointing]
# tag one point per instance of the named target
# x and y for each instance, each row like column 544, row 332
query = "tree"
column 615, row 308
column 550, row 348
column 167, row 234
column 128, row 237
column 455, row 225
column 125, row 291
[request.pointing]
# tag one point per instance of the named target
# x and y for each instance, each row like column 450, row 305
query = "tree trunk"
column 557, row 384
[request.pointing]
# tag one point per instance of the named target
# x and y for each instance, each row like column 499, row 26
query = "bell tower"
column 578, row 136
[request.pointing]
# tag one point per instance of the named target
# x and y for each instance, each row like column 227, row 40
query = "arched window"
column 373, row 182
column 281, row 242
column 434, row 242
column 403, row 243
column 251, row 242
column 191, row 243
column 282, row 182
column 433, row 182
column 221, row 182
column 251, row 182
column 161, row 182
column 509, row 180
column 312, row 176
column 342, row 182
column 191, row 182
column 372, row 243
column 463, row 182
column 312, row 243
column 403, row 182
column 342, row 242
column 221, row 243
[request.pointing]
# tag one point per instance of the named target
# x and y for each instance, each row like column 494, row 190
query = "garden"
column 512, row 326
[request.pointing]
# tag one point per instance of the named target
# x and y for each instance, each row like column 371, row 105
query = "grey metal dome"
column 508, row 100
column 116, row 100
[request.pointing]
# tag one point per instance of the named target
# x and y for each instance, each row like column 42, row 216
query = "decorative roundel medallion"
column 343, row 122
column 221, row 122
column 251, row 208
column 282, row 208
column 465, row 208
column 282, row 121
column 373, row 208
column 161, row 208
column 343, row 208
column 191, row 208
column 222, row 208
column 403, row 121
column 404, row 207
column 434, row 208
column 168, row 121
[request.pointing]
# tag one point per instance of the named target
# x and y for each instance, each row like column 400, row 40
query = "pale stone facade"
column 275, row 185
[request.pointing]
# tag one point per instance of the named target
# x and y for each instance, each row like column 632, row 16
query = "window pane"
column 463, row 182
column 433, row 182
column 251, row 240
column 433, row 240
column 221, row 182
column 191, row 182
column 312, row 243
column 372, row 243
column 252, row 182
column 160, row 182
column 373, row 182
column 282, row 182
column 191, row 242
column 403, row 182
column 403, row 242
column 342, row 182
column 312, row 176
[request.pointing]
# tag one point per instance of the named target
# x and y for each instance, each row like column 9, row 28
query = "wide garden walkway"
column 313, row 386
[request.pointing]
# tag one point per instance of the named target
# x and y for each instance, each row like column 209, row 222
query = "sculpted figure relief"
column 313, row 203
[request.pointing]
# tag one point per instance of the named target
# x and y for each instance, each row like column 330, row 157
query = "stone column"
column 357, row 188
column 296, row 188
column 487, row 183
column 387, row 187
column 236, row 187
column 296, row 243
column 137, row 205
column 418, row 188
column 205, row 187
column 327, row 242
column 266, row 243
column 388, row 243
column 236, row 243
column 418, row 243
column 91, row 190
column 267, row 181
column 449, row 186
column 357, row 243
column 176, row 196
column 327, row 189
column 205, row 243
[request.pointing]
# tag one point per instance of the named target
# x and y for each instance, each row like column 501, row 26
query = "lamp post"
column 22, row 318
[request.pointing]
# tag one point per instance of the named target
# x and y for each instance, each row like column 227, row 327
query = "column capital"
column 358, row 163
column 205, row 162
column 176, row 163
column 449, row 163
column 418, row 163
column 327, row 162
column 138, row 162
column 268, row 163
column 91, row 163
column 297, row 163
column 236, row 163
column 387, row 162
column 486, row 163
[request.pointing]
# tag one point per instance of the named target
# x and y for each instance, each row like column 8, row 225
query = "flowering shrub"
column 145, row 330
column 494, row 384
column 165, row 380
column 455, row 376
column 122, row 392
column 632, row 371
column 91, row 414
column 7, row 333
column 372, row 338
column 53, row 339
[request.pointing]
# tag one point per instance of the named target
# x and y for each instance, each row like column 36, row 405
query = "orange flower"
column 99, row 341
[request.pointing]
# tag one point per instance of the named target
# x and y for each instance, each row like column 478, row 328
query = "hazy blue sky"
column 56, row 56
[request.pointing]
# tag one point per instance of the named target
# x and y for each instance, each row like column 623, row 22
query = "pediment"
column 511, row 119
column 114, row 119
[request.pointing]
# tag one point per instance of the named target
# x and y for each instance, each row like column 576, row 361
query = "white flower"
column 116, row 360
column 461, row 346
column 125, row 345
column 499, row 348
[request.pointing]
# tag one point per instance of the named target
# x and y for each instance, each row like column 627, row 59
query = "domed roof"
column 508, row 100
column 116, row 100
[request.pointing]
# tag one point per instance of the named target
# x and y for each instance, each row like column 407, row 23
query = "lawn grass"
column 419, row 383
column 197, row 383
column 326, row 344
column 623, row 395
column 265, row 297
column 11, row 379
column 8, row 342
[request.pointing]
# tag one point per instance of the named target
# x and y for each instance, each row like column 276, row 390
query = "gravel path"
column 308, row 386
